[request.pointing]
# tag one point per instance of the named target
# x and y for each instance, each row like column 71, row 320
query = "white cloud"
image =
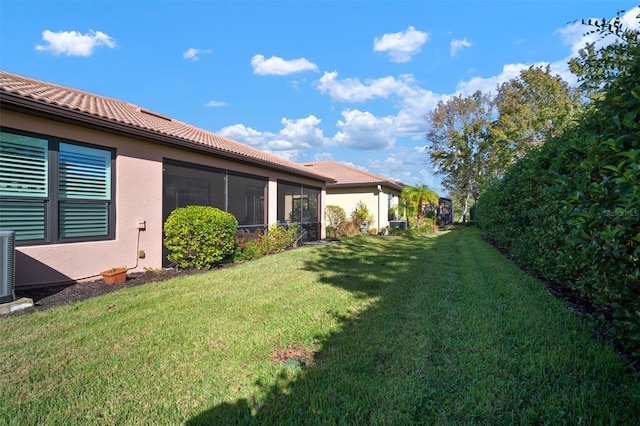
column 416, row 103
column 244, row 134
column 303, row 139
column 630, row 19
column 364, row 131
column 509, row 71
column 194, row 54
column 303, row 132
column 215, row 104
column 72, row 43
column 408, row 165
column 322, row 156
column 387, row 137
column 489, row 84
column 573, row 34
column 458, row 45
column 278, row 66
column 413, row 102
column 401, row 46
column 353, row 90
column 295, row 136
column 281, row 145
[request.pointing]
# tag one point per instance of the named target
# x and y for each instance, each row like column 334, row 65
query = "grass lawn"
column 439, row 330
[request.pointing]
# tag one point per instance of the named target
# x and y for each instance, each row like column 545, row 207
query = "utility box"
column 7, row 266
column 402, row 224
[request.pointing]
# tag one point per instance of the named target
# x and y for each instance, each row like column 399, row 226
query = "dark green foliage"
column 200, row 236
column 570, row 211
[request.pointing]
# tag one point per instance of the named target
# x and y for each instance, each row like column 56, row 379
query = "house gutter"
column 21, row 104
column 355, row 185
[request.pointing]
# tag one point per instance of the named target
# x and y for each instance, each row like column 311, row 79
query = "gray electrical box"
column 7, row 266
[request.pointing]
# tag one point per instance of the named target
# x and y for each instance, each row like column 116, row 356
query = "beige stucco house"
column 352, row 185
column 86, row 181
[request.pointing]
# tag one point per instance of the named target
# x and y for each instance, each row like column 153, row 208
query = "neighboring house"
column 352, row 185
column 88, row 181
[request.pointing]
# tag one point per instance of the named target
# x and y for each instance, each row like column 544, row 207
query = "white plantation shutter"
column 23, row 185
column 83, row 220
column 85, row 173
column 52, row 191
column 84, row 191
column 23, row 165
column 25, row 217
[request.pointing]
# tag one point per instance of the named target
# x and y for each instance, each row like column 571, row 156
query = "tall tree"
column 531, row 107
column 474, row 139
column 459, row 144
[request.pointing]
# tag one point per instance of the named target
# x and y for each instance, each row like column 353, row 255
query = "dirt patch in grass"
column 295, row 356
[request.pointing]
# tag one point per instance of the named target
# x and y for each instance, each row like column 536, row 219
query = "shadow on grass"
column 449, row 333
column 361, row 370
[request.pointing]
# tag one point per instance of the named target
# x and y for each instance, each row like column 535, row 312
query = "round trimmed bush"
column 200, row 236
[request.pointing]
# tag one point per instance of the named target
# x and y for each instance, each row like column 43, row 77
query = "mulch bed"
column 48, row 297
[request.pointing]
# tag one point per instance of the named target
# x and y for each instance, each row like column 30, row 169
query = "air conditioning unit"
column 7, row 266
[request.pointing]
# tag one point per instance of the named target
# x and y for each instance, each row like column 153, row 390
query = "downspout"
column 379, row 207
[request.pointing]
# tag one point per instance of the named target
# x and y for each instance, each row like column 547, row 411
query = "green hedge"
column 571, row 210
column 200, row 236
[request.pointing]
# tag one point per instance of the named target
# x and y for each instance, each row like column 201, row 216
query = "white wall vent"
column 7, row 266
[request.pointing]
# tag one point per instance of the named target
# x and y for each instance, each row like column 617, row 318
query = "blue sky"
column 349, row 81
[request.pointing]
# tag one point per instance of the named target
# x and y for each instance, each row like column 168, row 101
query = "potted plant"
column 114, row 275
column 362, row 216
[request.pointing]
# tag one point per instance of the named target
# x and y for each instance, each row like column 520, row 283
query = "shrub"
column 199, row 236
column 349, row 229
column 473, row 212
column 278, row 238
column 427, row 226
column 246, row 250
column 571, row 210
column 396, row 232
column 335, row 216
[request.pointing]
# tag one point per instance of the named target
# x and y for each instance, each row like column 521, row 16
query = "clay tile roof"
column 350, row 176
column 83, row 106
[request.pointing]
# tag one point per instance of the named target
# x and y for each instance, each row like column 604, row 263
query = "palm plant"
column 415, row 198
